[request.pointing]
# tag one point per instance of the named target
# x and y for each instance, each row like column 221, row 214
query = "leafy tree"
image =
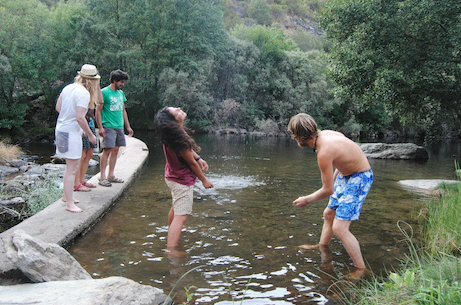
column 403, row 55
column 234, row 70
column 271, row 42
column 146, row 37
column 190, row 92
column 309, row 89
column 26, row 68
column 307, row 41
column 260, row 11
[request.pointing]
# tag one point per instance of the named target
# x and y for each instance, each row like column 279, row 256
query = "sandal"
column 88, row 184
column 114, row 179
column 81, row 188
column 105, row 182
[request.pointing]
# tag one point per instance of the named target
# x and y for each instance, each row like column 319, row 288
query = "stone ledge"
column 55, row 225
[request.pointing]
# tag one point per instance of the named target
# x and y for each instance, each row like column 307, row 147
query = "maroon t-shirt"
column 177, row 169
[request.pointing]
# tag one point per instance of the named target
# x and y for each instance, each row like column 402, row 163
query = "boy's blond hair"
column 302, row 127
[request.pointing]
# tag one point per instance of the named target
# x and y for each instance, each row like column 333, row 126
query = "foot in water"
column 325, row 254
column 358, row 274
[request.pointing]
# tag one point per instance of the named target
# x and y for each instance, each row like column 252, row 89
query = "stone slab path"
column 56, row 225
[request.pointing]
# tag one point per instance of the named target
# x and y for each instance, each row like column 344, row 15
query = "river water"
column 242, row 236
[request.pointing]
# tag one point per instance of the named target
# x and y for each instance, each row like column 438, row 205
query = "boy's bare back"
column 345, row 154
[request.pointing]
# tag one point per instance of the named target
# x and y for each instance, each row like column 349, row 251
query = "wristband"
column 198, row 158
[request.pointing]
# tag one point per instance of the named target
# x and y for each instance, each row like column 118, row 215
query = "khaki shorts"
column 183, row 197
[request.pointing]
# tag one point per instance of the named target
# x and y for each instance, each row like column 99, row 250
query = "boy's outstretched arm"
column 326, row 171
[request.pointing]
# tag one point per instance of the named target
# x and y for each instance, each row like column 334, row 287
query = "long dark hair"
column 172, row 134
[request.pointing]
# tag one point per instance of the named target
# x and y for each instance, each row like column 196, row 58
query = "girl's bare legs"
column 87, row 154
column 69, row 178
column 174, row 231
column 170, row 216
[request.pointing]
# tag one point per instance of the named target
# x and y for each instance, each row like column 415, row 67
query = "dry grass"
column 8, row 152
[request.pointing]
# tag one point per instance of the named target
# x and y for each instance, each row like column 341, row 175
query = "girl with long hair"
column 183, row 167
column 72, row 105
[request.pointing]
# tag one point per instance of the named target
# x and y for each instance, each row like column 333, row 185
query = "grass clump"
column 428, row 280
column 43, row 194
column 37, row 196
column 8, row 152
column 442, row 231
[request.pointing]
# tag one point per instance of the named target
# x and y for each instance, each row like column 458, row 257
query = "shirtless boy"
column 346, row 177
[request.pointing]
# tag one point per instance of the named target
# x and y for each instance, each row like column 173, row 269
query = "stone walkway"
column 55, row 225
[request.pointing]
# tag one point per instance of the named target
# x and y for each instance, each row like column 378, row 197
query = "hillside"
column 290, row 15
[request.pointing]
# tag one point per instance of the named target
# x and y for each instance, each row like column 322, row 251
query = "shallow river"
column 242, row 236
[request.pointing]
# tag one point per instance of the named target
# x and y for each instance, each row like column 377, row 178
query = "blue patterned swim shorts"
column 350, row 193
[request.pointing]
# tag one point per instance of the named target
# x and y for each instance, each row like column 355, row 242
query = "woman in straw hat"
column 72, row 105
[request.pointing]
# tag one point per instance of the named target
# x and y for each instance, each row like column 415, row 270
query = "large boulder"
column 110, row 291
column 40, row 261
column 405, row 151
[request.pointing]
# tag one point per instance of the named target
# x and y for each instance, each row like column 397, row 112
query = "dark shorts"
column 350, row 193
column 86, row 143
column 114, row 138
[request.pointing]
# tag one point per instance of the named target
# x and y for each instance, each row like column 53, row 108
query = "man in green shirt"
column 111, row 117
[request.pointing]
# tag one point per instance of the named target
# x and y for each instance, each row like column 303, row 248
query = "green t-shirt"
column 112, row 112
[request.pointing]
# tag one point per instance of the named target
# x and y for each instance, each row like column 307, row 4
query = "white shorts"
column 183, row 197
column 69, row 144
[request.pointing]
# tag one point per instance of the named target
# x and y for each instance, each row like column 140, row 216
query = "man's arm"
column 127, row 122
column 326, row 170
column 102, row 132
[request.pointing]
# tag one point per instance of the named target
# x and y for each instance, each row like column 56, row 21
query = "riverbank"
column 55, row 225
column 431, row 274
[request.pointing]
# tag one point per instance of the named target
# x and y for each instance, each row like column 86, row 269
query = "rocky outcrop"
column 404, row 151
column 40, row 261
column 65, row 280
column 110, row 291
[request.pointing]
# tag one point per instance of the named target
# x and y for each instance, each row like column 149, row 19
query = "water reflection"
column 244, row 233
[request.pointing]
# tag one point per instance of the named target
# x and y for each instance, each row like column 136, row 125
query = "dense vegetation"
column 249, row 64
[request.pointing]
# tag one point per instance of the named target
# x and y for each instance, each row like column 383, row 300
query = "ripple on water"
column 229, row 182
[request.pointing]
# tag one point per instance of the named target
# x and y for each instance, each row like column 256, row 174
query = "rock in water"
column 404, row 151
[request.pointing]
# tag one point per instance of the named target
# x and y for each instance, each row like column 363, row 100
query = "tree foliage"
column 404, row 56
column 386, row 59
column 260, row 11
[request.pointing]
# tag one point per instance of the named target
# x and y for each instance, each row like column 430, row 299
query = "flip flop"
column 114, row 179
column 105, row 182
column 88, row 184
column 81, row 188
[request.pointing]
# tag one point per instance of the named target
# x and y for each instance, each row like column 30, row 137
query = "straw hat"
column 89, row 71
